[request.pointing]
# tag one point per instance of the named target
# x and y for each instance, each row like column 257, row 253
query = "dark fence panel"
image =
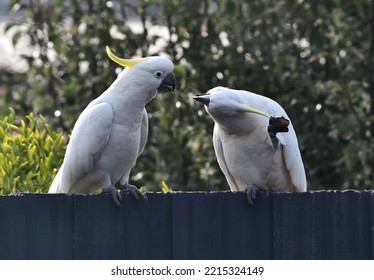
column 37, row 227
column 197, row 225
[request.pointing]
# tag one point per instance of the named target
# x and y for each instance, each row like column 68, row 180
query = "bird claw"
column 251, row 193
column 116, row 196
column 136, row 193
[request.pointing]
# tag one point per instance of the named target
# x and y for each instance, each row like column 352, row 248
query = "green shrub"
column 30, row 153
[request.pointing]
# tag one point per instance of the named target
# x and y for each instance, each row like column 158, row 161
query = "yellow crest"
column 121, row 61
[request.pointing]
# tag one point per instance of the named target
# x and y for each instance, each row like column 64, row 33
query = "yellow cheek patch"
column 121, row 61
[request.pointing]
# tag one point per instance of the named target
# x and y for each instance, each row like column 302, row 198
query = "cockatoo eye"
column 158, row 74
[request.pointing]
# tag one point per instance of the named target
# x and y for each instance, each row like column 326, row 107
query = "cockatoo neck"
column 130, row 88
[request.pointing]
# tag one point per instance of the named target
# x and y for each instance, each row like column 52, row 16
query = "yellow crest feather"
column 253, row 110
column 121, row 61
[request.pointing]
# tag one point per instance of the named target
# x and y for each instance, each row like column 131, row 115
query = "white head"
column 149, row 73
column 227, row 108
column 223, row 101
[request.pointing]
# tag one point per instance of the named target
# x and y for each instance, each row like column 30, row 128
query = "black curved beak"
column 204, row 99
column 167, row 84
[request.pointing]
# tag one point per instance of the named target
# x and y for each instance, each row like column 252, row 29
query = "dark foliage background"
column 316, row 58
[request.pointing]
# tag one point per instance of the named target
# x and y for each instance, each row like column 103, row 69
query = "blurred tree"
column 315, row 58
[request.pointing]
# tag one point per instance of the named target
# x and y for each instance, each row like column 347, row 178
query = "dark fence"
column 217, row 225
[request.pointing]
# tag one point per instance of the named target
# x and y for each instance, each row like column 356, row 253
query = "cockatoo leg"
column 251, row 193
column 273, row 138
column 116, row 196
column 134, row 191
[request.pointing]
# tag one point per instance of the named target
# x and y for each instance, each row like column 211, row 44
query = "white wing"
column 291, row 152
column 217, row 144
column 89, row 137
column 292, row 158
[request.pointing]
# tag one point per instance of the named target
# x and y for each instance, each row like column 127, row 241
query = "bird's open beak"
column 167, row 84
column 204, row 99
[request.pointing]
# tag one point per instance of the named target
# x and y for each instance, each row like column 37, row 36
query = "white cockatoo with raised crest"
column 111, row 132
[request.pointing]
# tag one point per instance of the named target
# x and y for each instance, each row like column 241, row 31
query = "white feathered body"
column 243, row 146
column 108, row 136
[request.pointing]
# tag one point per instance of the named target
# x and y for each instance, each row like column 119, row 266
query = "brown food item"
column 278, row 125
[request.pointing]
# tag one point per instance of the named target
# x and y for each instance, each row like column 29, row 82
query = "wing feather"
column 291, row 151
column 293, row 160
column 90, row 135
column 289, row 141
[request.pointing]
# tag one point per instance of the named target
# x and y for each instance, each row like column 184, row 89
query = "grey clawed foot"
column 136, row 193
column 116, row 196
column 251, row 193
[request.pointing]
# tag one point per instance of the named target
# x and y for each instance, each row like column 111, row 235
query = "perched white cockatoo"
column 246, row 142
column 112, row 131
